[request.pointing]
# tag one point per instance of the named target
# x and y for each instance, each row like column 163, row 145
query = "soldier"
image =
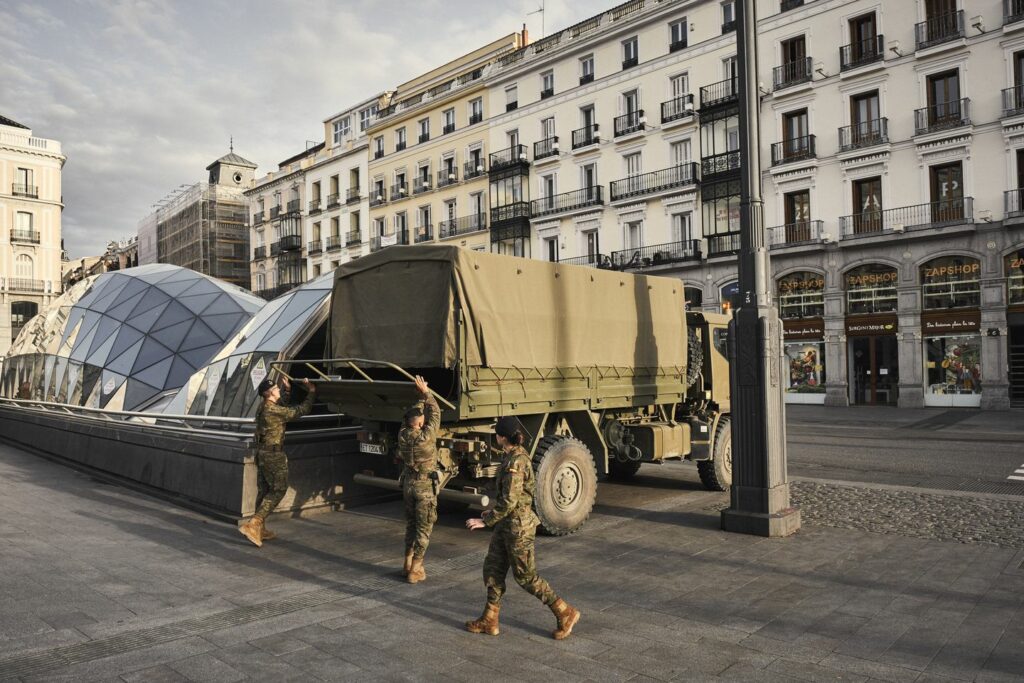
column 515, row 527
column 417, row 447
column 271, row 461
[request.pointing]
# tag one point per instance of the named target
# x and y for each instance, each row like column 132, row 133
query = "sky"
column 144, row 95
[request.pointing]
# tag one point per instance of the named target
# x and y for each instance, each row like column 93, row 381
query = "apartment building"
column 30, row 226
column 890, row 180
column 428, row 155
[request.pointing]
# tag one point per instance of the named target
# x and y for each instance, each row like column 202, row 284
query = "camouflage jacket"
column 418, row 447
column 516, row 489
column 272, row 417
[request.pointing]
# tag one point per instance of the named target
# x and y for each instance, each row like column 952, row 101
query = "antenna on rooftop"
column 540, row 11
column 231, row 145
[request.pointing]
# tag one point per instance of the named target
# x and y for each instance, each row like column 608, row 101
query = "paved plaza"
column 101, row 583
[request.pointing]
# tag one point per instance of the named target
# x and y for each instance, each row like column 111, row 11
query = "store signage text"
column 951, row 322
column 803, row 329
column 861, row 327
column 953, row 270
column 871, row 279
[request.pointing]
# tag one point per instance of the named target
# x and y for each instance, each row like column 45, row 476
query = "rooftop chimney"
column 526, row 37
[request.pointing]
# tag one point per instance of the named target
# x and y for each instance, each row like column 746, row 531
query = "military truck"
column 605, row 370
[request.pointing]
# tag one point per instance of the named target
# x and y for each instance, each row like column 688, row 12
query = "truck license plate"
column 374, row 448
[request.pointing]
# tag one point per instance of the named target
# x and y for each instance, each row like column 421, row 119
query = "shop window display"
column 953, row 364
column 1015, row 277
column 801, row 295
column 951, row 282
column 806, row 367
column 871, row 288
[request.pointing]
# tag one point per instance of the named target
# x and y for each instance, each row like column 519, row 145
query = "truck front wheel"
column 716, row 474
column 566, row 484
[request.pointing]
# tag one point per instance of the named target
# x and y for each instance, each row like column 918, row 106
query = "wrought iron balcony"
column 633, row 122
column 422, row 184
column 511, row 156
column 677, row 45
column 801, row 232
column 1013, row 203
column 511, row 106
column 656, row 255
column 509, row 212
column 790, row 4
column 794, row 149
column 23, row 284
column 548, row 147
column 332, row 242
column 379, row 197
column 399, row 191
column 292, row 206
column 275, row 211
column 333, row 200
column 793, row 73
column 942, row 116
column 596, row 260
column 864, row 134
column 677, row 108
column 586, row 78
column 630, row 63
column 22, row 190
column 257, row 218
column 315, row 247
column 473, row 169
column 1013, row 99
column 476, row 118
column 353, row 237
column 352, row 196
column 860, row 53
column 546, row 93
column 448, row 128
column 400, row 145
column 567, row 201
column 275, row 248
column 1013, row 11
column 259, row 252
column 720, row 163
column 424, row 137
column 680, row 175
column 588, row 135
column 25, row 236
column 728, row 26
column 314, row 205
column 720, row 93
column 461, row 226
column 920, row 216
column 384, row 241
column 378, row 154
column 423, row 233
column 940, row 29
column 290, row 242
column 723, row 244
column 447, row 176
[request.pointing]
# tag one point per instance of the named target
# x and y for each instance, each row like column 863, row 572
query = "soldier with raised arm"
column 417, row 447
column 271, row 460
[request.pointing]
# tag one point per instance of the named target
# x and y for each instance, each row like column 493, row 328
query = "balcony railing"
column 1013, row 203
column 722, row 92
column 400, row 145
column 942, row 116
column 400, row 237
column 22, row 190
column 588, row 135
column 630, row 62
column 940, row 29
column 378, row 154
column 332, row 242
column 656, row 255
column 461, row 226
column 423, row 233
column 920, row 216
column 448, row 128
column 597, row 260
column 626, row 9
column 275, row 248
column 790, row 4
column 424, row 137
column 333, row 201
column 728, row 26
column 26, row 236
column 293, row 206
column 680, row 175
column 586, row 78
column 677, row 108
column 422, row 184
column 23, row 284
column 476, row 118
column 473, row 169
column 275, row 211
column 509, row 212
column 353, row 237
column 793, row 73
column 548, row 147
column 794, row 149
column 723, row 244
column 677, row 45
column 447, row 176
column 516, row 154
column 352, row 196
column 801, row 232
column 546, row 93
column 314, row 206
column 864, row 134
column 259, row 252
column 379, row 197
column 632, row 122
column 567, row 201
column 720, row 163
column 1013, row 11
column 860, row 53
column 511, row 106
column 315, row 247
column 1013, row 99
column 399, row 191
column 290, row 242
column 257, row 218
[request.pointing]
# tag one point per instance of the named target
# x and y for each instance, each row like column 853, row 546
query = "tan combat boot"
column 488, row 623
column 407, row 567
column 416, row 571
column 267, row 534
column 253, row 530
column 567, row 617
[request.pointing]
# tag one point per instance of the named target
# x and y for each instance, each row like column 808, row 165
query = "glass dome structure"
column 120, row 339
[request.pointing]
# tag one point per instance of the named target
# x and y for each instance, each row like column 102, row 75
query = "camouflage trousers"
column 512, row 546
column 420, row 515
column 271, row 480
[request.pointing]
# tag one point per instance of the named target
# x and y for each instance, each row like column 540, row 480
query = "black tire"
column 622, row 471
column 694, row 357
column 716, row 474
column 566, row 484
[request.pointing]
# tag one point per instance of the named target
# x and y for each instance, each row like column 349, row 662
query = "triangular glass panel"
column 197, row 302
column 81, row 349
column 223, row 304
column 155, row 375
column 225, row 325
column 176, row 288
column 173, row 314
column 151, row 352
column 154, row 297
column 132, row 288
column 173, row 336
column 138, row 393
column 126, row 336
column 122, row 310
column 99, row 356
column 200, row 335
column 197, row 358
column 144, row 320
column 179, row 374
column 126, row 360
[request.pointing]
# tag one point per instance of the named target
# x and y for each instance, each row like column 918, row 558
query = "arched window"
column 951, row 282
column 21, row 313
column 1015, row 277
column 23, row 267
column 729, row 296
column 871, row 288
column 801, row 295
column 694, row 297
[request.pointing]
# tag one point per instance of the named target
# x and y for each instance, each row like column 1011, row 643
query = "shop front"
column 801, row 298
column 951, row 328
column 1014, row 265
column 874, row 358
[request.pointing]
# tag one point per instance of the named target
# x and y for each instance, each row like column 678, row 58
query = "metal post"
column 759, row 498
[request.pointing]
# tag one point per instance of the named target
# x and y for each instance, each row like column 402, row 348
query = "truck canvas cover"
column 401, row 304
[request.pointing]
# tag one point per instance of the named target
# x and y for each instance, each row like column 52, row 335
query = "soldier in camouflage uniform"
column 515, row 527
column 417, row 447
column 271, row 461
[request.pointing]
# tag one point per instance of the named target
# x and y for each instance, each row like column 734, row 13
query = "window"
column 23, row 221
column 23, row 177
column 400, row 139
column 513, row 138
column 547, row 189
column 547, row 84
column 511, row 97
column 632, row 163
column 633, row 236
column 476, row 111
column 450, row 210
column 592, row 243
column 863, row 43
column 23, row 267
column 680, row 85
column 730, row 69
column 378, row 147
column 947, row 188
column 944, row 99
column 677, row 35
column 865, row 119
column 630, row 102
column 342, row 128
column 867, row 205
column 547, row 128
column 630, row 53
column 588, row 176
column 587, row 116
column 680, row 152
column 682, row 227
column 728, row 16
column 551, row 248
column 586, row 69
column 365, row 115
column 871, row 289
column 951, row 282
column 449, row 120
column 424, row 127
column 378, row 227
column 795, row 134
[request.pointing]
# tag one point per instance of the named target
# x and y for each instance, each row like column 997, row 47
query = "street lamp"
column 759, row 497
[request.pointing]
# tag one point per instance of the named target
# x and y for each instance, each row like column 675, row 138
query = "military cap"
column 414, row 411
column 507, row 427
column 265, row 386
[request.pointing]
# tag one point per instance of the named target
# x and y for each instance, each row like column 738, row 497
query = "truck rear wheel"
column 716, row 474
column 617, row 469
column 566, row 484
